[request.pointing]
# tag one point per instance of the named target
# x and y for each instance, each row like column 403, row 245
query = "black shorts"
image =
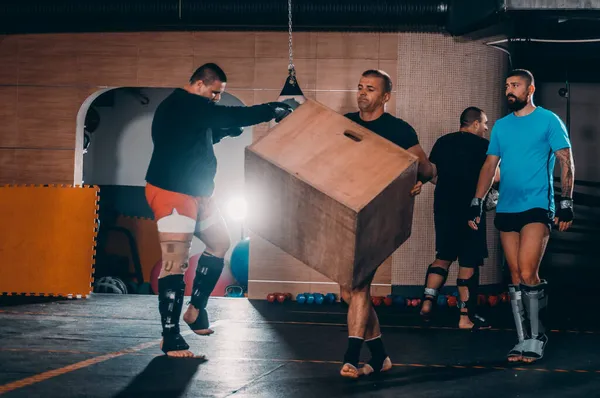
column 454, row 239
column 514, row 222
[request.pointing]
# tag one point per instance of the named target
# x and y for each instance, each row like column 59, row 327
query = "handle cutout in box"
column 353, row 136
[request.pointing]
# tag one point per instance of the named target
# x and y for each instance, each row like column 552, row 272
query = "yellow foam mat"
column 48, row 239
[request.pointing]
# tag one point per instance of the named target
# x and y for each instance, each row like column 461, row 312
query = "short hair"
column 470, row 115
column 524, row 73
column 387, row 80
column 209, row 73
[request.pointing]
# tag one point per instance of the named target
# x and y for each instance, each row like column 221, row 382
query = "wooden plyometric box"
column 330, row 193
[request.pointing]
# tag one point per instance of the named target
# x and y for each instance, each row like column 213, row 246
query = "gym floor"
column 108, row 346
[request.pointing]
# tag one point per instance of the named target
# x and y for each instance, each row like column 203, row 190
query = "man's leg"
column 435, row 278
column 468, row 286
column 212, row 231
column 534, row 238
column 446, row 248
column 510, row 245
column 359, row 318
column 175, row 231
column 472, row 254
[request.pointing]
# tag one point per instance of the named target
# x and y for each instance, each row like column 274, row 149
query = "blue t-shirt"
column 526, row 146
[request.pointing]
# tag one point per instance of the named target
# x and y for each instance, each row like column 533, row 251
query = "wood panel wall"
column 44, row 80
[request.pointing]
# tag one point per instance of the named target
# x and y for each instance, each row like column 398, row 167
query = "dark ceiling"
column 523, row 20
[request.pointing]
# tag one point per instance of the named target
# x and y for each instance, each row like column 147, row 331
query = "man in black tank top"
column 374, row 90
column 458, row 158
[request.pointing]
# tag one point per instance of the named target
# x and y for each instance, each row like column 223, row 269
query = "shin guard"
column 472, row 285
column 433, row 292
column 535, row 300
column 208, row 273
column 171, row 290
column 518, row 310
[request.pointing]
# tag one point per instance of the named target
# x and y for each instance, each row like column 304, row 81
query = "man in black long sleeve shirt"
column 180, row 184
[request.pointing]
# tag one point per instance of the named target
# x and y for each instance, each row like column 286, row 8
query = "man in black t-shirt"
column 179, row 188
column 458, row 158
column 374, row 91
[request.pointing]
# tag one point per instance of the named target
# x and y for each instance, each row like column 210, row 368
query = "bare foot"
column 515, row 358
column 465, row 322
column 528, row 360
column 426, row 307
column 181, row 354
column 350, row 371
column 190, row 316
column 368, row 369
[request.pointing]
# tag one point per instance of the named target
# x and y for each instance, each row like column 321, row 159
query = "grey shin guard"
column 518, row 310
column 535, row 300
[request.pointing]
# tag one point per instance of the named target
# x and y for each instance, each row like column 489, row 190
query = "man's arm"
column 564, row 213
column 435, row 174
column 219, row 134
column 487, row 176
column 426, row 171
column 220, row 117
column 567, row 175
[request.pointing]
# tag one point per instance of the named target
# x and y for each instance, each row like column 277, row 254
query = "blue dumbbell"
column 330, row 298
column 319, row 298
column 310, row 299
column 301, row 298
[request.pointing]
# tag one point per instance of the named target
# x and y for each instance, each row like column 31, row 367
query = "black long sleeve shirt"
column 183, row 159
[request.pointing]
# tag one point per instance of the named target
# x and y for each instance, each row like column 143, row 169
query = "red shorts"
column 163, row 202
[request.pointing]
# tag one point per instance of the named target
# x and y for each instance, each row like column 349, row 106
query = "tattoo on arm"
column 567, row 176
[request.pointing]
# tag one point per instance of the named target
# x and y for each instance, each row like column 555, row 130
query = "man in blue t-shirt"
column 526, row 143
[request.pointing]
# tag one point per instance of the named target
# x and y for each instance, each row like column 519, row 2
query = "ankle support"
column 437, row 271
column 352, row 354
column 516, row 304
column 535, row 300
column 174, row 342
column 171, row 290
column 378, row 353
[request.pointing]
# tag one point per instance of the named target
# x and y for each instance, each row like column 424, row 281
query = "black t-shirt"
column 458, row 157
column 184, row 128
column 389, row 127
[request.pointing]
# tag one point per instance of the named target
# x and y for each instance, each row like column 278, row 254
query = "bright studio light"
column 237, row 208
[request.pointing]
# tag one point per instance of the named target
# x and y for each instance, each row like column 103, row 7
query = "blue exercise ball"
column 239, row 261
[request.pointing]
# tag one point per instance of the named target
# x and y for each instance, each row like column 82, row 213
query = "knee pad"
column 208, row 273
column 438, row 271
column 175, row 248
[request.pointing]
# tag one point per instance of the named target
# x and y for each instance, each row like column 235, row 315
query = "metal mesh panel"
column 438, row 78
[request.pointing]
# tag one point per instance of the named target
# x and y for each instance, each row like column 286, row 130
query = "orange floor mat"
column 47, row 239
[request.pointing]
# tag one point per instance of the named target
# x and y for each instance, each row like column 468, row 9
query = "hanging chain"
column 291, row 68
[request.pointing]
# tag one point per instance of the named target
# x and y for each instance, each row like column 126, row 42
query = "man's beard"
column 517, row 104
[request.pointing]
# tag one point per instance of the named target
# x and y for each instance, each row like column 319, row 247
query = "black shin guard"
column 472, row 285
column 208, row 273
column 170, row 302
column 429, row 292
